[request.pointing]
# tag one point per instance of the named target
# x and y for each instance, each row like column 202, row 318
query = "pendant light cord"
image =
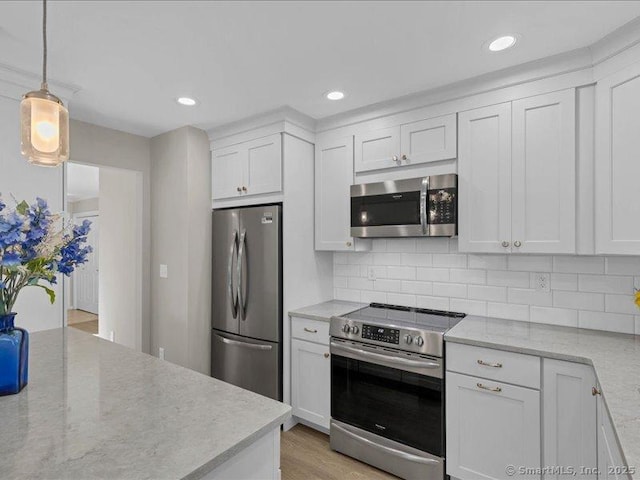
column 44, row 45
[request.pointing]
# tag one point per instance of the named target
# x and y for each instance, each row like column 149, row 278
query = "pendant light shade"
column 44, row 120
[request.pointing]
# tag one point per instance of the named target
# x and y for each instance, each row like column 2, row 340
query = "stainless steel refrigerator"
column 246, row 342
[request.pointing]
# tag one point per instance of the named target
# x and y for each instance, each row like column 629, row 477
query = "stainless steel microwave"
column 417, row 207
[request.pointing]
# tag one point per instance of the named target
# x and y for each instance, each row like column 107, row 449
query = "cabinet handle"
column 595, row 391
column 326, row 355
column 310, row 330
column 495, row 389
column 494, row 365
column 505, row 244
column 348, row 244
column 404, row 157
column 239, row 189
column 517, row 243
column 244, row 189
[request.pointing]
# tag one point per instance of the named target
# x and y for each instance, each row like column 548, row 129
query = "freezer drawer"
column 247, row 363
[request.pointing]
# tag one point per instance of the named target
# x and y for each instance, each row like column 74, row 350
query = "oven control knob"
column 408, row 339
column 346, row 328
column 419, row 341
column 355, row 330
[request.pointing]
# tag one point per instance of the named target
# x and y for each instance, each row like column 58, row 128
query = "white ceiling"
column 131, row 59
column 83, row 181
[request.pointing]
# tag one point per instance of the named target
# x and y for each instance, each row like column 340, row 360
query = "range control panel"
column 381, row 334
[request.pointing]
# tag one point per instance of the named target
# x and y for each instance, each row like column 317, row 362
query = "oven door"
column 389, row 209
column 392, row 394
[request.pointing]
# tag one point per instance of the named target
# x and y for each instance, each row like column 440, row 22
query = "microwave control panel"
column 443, row 206
column 381, row 334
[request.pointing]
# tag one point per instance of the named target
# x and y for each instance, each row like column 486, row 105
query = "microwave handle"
column 424, row 199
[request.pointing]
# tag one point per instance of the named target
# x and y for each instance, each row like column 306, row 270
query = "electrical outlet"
column 543, row 282
column 161, row 353
column 164, row 271
column 371, row 273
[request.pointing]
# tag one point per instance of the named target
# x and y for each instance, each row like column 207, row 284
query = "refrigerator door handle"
column 232, row 255
column 242, row 301
column 253, row 346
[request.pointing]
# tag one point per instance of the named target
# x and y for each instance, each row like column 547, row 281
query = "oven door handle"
column 393, row 451
column 424, row 200
column 377, row 356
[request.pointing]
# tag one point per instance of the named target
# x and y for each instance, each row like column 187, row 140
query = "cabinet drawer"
column 498, row 365
column 310, row 330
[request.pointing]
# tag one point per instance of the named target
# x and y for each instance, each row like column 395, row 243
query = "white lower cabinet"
column 492, row 427
column 311, row 372
column 611, row 462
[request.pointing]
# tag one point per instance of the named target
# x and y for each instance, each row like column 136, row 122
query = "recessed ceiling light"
column 502, row 43
column 335, row 95
column 186, row 101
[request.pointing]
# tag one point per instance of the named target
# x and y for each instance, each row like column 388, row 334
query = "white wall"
column 181, row 232
column 120, row 295
column 26, row 181
column 586, row 291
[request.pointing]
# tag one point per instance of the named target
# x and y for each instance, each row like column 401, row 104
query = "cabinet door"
column 617, row 165
column 377, row 149
column 310, row 382
column 429, row 140
column 490, row 427
column 333, row 179
column 570, row 420
column 227, row 165
column 543, row 172
column 484, row 179
column 611, row 462
column 263, row 168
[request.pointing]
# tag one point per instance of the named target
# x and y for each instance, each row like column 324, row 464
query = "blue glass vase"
column 14, row 356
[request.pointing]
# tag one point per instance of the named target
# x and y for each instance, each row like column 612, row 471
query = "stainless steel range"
column 387, row 388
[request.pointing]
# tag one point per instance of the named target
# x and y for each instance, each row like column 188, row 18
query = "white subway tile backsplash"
column 509, row 311
column 401, row 245
column 449, row 290
column 435, row 303
column 587, row 291
column 564, row 281
column 621, row 304
column 402, row 273
column 432, row 245
column 613, row 322
column 487, row 293
column 622, row 265
column 450, row 260
column 579, row 300
column 529, row 263
column 606, row 284
column 433, row 274
column 470, row 307
column 478, row 277
column 555, row 316
column 417, row 259
column 508, row 279
column 529, row 296
column 565, row 264
column 488, row 262
column 417, row 288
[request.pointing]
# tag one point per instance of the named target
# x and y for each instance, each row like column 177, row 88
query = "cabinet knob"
column 348, row 244
column 595, row 391
column 326, row 355
column 505, row 244
column 395, row 158
column 244, row 189
column 517, row 243
column 239, row 189
column 404, row 157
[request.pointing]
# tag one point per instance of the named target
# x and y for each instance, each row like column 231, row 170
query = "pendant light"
column 44, row 121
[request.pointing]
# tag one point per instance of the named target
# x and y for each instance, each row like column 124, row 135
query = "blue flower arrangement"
column 34, row 246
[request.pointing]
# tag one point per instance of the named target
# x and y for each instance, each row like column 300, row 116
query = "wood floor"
column 85, row 321
column 305, row 455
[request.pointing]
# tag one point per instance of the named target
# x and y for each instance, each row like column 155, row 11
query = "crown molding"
column 15, row 82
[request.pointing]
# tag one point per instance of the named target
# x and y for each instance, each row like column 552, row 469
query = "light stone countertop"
column 97, row 410
column 325, row 310
column 614, row 356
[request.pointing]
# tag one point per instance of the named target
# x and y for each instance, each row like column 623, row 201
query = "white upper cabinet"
column 333, row 179
column 543, row 170
column 249, row 168
column 516, row 168
column 423, row 141
column 484, row 179
column 617, row 164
